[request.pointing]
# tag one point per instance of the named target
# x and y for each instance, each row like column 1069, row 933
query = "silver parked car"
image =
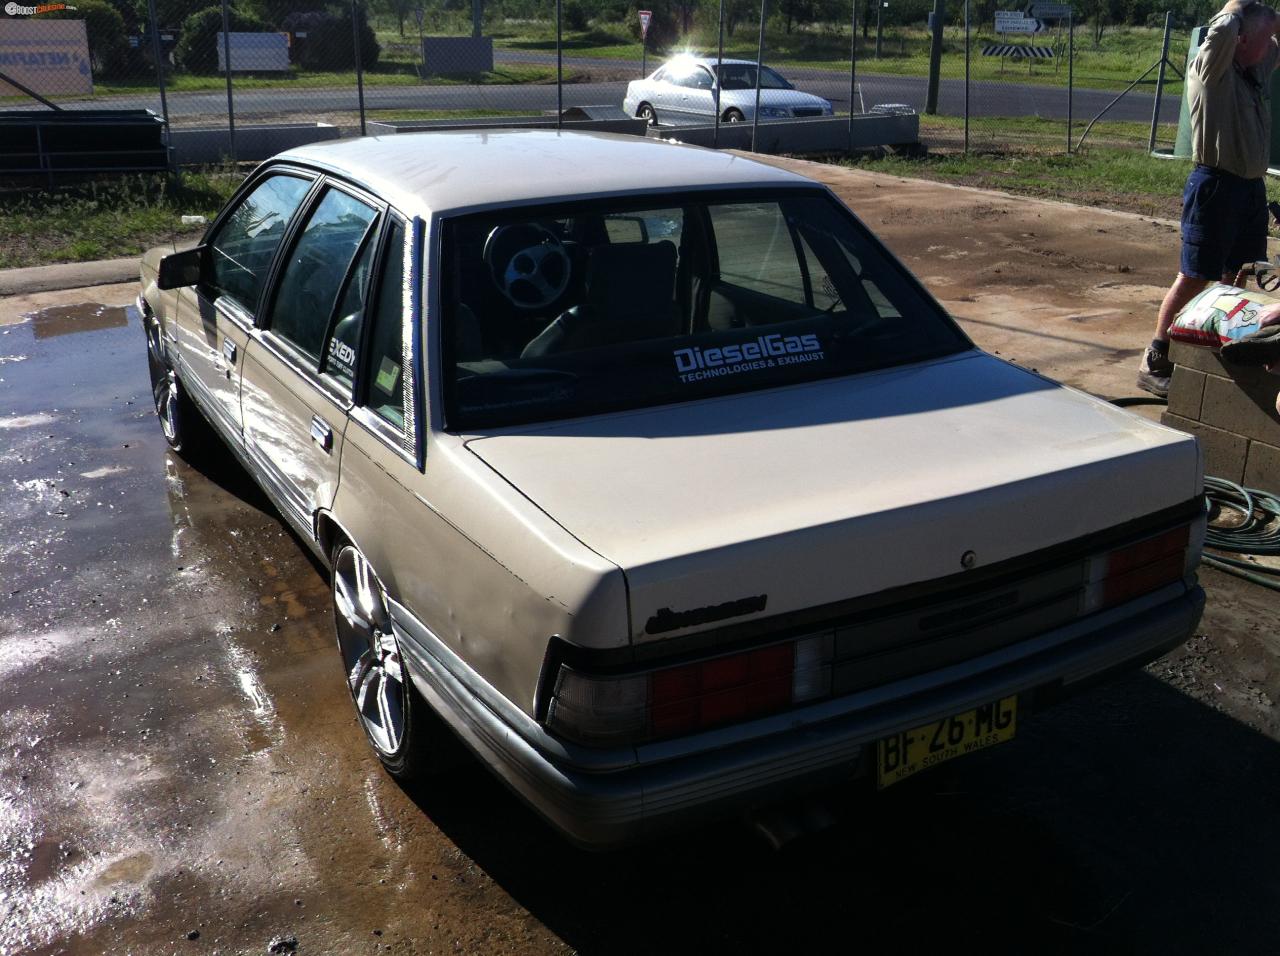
column 653, row 476
column 686, row 90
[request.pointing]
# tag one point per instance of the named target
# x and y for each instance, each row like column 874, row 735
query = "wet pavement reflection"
column 181, row 771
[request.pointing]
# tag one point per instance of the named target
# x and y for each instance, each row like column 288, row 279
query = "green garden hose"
column 1258, row 510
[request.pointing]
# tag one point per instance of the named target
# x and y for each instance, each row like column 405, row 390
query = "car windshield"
column 558, row 313
column 742, row 76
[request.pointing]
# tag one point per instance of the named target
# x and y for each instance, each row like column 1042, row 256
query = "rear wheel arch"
column 330, row 535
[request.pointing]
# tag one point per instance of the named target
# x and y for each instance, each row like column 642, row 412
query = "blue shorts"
column 1224, row 223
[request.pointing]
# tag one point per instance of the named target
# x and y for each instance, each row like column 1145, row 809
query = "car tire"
column 180, row 421
column 648, row 114
column 409, row 739
column 733, row 116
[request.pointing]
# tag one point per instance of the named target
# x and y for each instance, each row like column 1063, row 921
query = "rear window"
column 571, row 311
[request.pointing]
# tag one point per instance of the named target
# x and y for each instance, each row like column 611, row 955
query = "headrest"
column 630, row 277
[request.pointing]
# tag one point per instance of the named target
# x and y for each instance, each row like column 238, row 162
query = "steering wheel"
column 528, row 263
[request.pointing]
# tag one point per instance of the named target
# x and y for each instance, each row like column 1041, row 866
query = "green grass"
column 1022, row 133
column 103, row 219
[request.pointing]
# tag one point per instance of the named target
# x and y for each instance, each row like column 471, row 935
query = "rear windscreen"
column 574, row 310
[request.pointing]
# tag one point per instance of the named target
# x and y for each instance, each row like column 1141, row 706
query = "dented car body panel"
column 573, row 492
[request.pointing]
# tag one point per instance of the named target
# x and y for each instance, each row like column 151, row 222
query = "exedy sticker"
column 762, row 352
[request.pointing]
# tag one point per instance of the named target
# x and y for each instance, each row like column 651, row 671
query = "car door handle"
column 321, row 433
column 229, row 351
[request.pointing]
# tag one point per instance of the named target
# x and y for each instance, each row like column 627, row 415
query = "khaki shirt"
column 1230, row 107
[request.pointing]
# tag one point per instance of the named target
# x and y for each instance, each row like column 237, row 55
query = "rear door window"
column 315, row 273
column 385, row 362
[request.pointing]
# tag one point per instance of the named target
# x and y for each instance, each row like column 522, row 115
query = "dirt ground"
column 181, row 772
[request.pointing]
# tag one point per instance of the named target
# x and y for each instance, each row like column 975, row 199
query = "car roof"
column 455, row 170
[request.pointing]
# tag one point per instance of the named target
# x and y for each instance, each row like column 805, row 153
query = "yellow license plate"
column 911, row 751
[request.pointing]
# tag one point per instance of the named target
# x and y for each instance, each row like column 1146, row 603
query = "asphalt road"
column 986, row 98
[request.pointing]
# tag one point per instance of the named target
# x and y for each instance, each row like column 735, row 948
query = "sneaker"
column 1260, row 348
column 1154, row 373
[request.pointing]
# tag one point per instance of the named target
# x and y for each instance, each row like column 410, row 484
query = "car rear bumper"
column 793, row 751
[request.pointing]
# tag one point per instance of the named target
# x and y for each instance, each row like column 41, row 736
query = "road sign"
column 1048, row 10
column 1014, row 21
column 1018, row 52
column 645, row 17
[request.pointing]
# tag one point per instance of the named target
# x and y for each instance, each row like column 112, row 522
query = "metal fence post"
column 158, row 54
column 559, row 68
column 966, row 77
column 355, row 32
column 1164, row 58
column 226, row 53
column 935, row 56
column 879, row 25
column 755, row 120
column 715, row 135
column 1071, row 71
column 853, row 65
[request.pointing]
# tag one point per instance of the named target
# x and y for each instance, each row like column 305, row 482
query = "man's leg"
column 1155, row 369
column 1184, row 289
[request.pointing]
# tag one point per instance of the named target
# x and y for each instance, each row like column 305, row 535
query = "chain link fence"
column 1034, row 78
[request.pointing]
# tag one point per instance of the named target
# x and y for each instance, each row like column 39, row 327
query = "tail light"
column 690, row 697
column 1142, row 567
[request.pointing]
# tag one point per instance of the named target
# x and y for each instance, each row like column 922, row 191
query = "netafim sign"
column 255, row 52
column 49, row 56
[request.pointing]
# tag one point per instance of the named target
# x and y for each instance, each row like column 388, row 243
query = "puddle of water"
column 264, row 731
column 131, row 869
column 70, row 319
column 19, row 650
column 27, row 421
column 104, row 472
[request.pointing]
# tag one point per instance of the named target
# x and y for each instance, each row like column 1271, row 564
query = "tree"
column 108, row 43
column 400, row 9
column 329, row 44
column 1100, row 14
column 197, row 50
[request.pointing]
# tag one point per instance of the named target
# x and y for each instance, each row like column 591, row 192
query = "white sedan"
column 690, row 91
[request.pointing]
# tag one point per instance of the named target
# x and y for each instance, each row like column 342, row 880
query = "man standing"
column 1224, row 204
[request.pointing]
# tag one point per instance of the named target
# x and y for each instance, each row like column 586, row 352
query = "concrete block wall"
column 1232, row 410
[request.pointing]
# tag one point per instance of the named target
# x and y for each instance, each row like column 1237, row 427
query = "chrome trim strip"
column 382, row 430
column 292, row 358
column 290, row 501
column 410, row 352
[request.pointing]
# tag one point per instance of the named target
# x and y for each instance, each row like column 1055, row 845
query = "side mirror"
column 180, row 269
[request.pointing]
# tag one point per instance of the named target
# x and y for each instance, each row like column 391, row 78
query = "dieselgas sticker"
column 765, row 351
column 386, row 378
